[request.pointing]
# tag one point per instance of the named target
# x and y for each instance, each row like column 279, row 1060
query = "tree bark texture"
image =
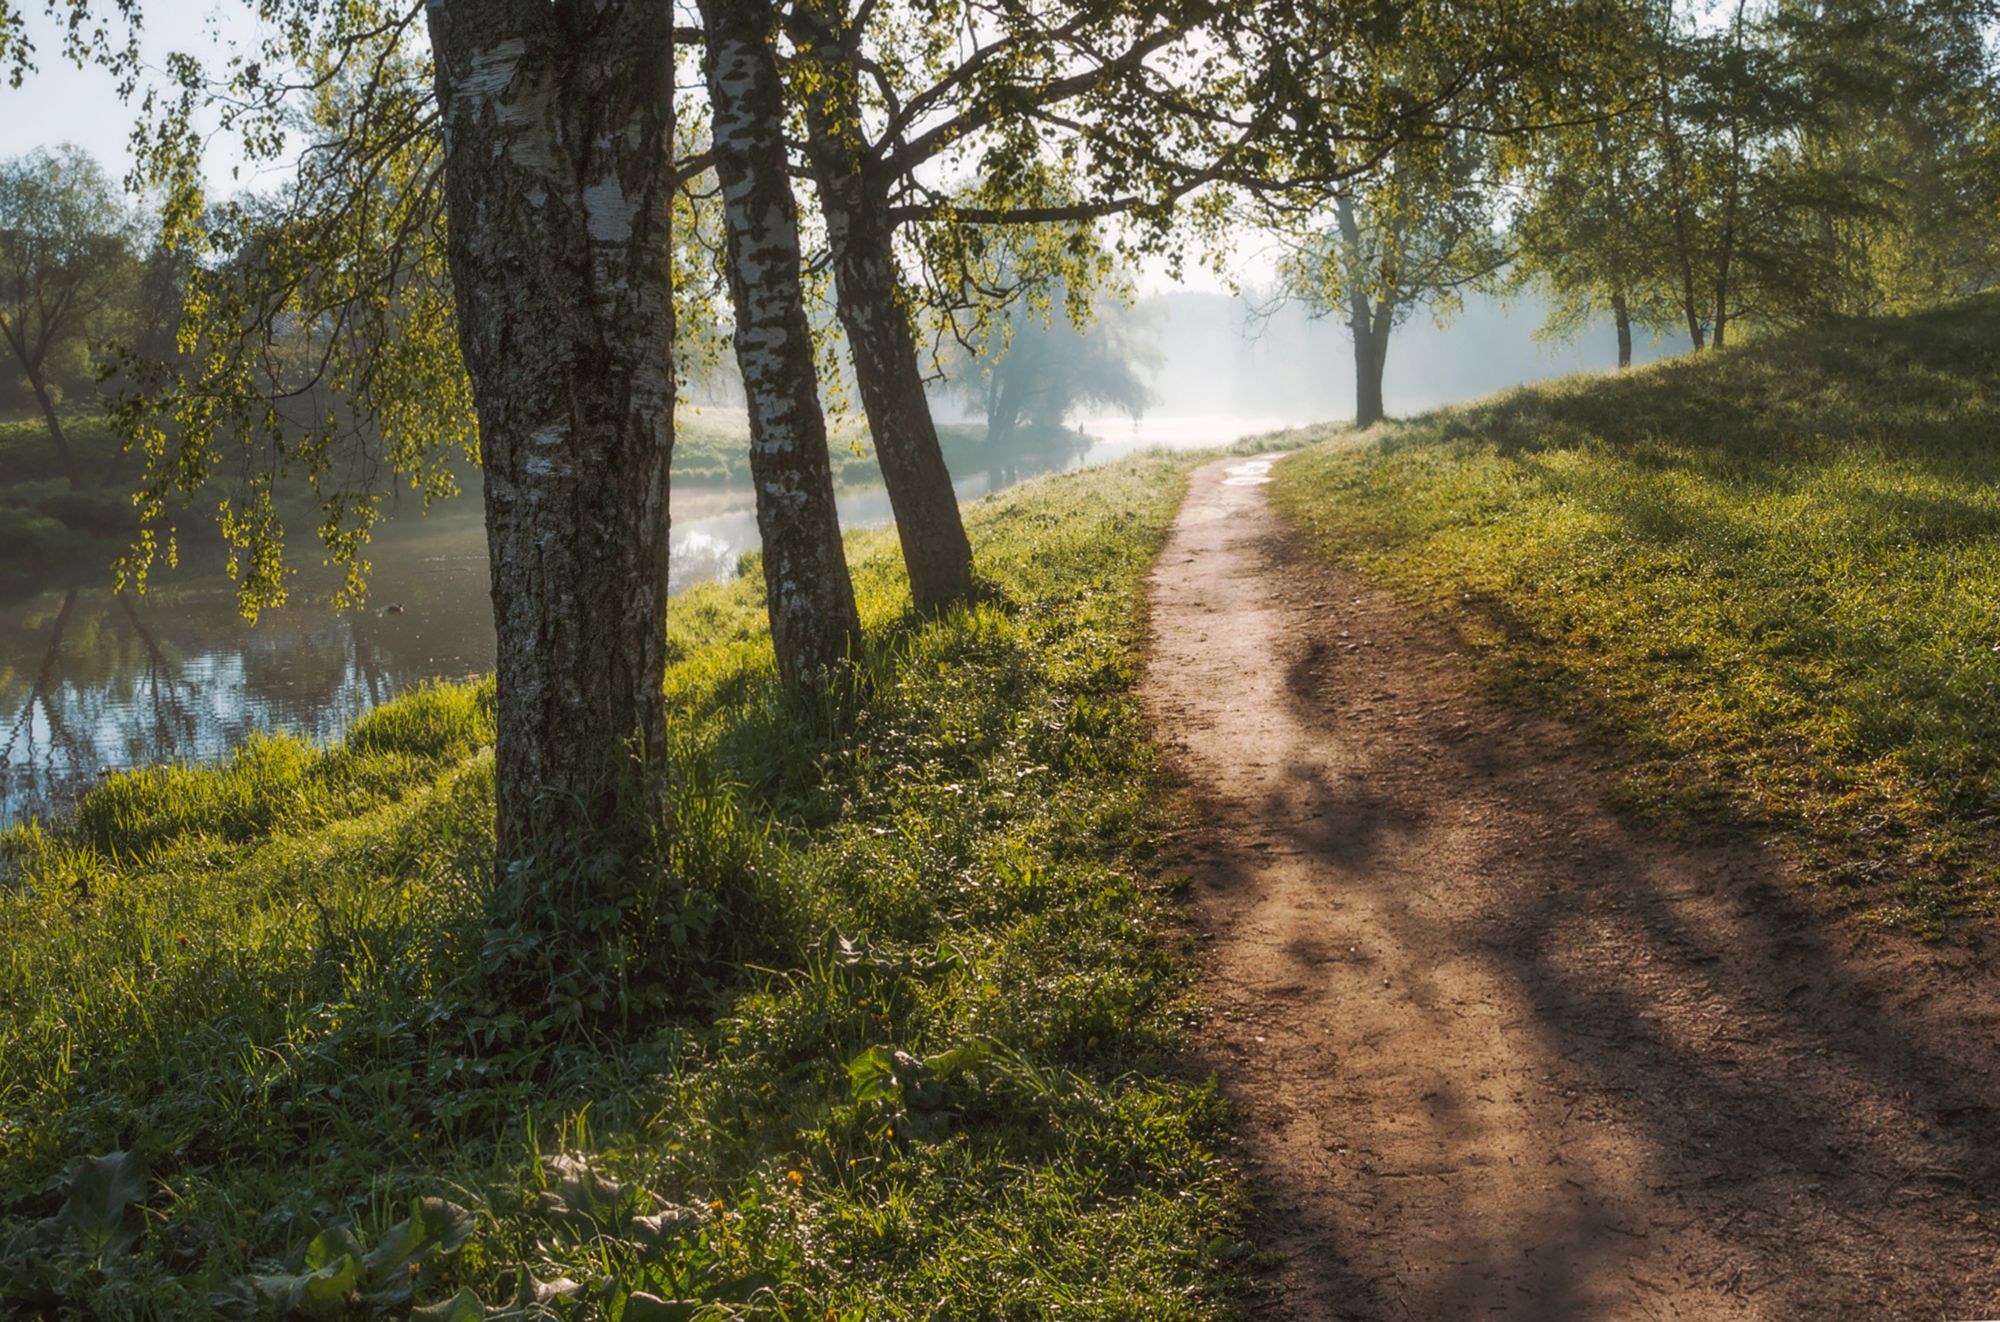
column 1621, row 315
column 1369, row 320
column 869, row 292
column 815, row 629
column 558, row 126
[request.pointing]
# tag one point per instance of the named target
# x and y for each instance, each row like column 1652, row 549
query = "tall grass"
column 1773, row 569
column 941, row 1088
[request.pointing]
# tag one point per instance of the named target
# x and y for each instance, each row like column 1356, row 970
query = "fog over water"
column 90, row 682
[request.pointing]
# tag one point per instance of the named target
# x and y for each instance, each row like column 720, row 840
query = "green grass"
column 1772, row 571
column 27, row 455
column 45, row 528
column 944, row 1086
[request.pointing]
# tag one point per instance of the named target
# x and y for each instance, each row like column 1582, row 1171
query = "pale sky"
column 62, row 103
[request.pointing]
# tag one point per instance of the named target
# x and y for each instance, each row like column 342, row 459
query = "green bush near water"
column 942, row 1088
column 1774, row 570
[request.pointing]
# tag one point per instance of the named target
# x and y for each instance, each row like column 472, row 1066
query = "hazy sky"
column 62, row 103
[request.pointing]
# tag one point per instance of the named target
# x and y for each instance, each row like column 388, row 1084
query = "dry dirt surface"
column 1501, row 1052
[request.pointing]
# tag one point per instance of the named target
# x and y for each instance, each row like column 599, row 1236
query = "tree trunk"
column 1003, row 416
column 558, row 126
column 815, row 628
column 1732, row 198
column 1623, row 317
column 885, row 351
column 1371, row 355
column 1670, row 140
column 48, row 403
column 1721, row 322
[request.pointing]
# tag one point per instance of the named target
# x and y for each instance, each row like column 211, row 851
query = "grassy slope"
column 263, row 978
column 1776, row 569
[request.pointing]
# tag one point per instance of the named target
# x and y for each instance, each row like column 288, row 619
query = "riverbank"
column 940, row 1077
column 92, row 681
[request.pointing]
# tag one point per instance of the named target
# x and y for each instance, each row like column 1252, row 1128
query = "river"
column 92, row 682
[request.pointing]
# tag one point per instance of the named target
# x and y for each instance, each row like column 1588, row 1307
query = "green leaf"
column 577, row 1193
column 102, row 1210
column 322, row 1292
column 871, row 1076
column 643, row 1307
column 461, row 1307
column 434, row 1228
column 331, row 1247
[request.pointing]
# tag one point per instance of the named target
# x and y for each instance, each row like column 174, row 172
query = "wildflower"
column 795, row 1177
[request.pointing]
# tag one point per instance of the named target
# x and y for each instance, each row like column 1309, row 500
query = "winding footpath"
column 1500, row 1052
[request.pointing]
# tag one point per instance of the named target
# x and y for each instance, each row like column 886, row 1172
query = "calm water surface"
column 92, row 682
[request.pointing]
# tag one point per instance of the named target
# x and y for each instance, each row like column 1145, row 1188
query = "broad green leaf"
column 102, row 1210
column 461, row 1307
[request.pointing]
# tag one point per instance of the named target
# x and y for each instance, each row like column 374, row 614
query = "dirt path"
column 1501, row 1052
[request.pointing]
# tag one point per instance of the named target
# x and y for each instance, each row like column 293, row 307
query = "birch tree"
column 815, row 628
column 534, row 331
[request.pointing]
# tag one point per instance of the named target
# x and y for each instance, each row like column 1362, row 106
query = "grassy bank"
column 1775, row 570
column 940, row 1087
column 44, row 525
column 712, row 448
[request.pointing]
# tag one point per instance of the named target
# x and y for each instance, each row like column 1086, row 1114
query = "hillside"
column 1773, row 572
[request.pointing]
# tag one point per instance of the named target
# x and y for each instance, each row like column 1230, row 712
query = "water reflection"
column 91, row 681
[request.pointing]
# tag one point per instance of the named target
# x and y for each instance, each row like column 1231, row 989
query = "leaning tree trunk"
column 1622, row 316
column 815, row 629
column 31, row 360
column 47, row 401
column 558, row 125
column 886, row 366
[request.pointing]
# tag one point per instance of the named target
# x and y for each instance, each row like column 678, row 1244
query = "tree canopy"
column 67, row 262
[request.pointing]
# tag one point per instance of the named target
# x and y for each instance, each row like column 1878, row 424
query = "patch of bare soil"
column 1499, row 1051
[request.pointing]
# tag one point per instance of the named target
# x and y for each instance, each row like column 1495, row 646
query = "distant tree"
column 1413, row 234
column 1902, row 104
column 1039, row 366
column 1789, row 162
column 66, row 245
column 1589, row 229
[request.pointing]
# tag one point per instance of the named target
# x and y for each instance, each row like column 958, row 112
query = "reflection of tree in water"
column 29, row 742
column 1031, row 453
column 171, row 720
column 144, row 683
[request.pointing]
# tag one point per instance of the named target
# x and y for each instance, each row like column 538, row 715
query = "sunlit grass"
column 263, row 978
column 1775, row 570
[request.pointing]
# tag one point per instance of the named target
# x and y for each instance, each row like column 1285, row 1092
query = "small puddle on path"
column 1255, row 472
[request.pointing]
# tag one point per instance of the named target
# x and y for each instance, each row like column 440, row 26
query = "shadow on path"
column 1501, row 1052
